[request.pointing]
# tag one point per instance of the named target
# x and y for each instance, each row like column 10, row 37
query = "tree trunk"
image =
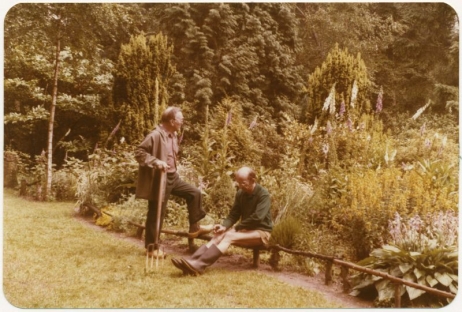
column 52, row 118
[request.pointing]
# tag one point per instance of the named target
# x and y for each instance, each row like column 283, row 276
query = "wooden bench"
column 255, row 250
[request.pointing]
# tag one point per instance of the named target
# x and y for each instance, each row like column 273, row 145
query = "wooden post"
column 23, row 190
column 256, row 257
column 345, row 282
column 397, row 295
column 328, row 275
column 139, row 232
column 274, row 259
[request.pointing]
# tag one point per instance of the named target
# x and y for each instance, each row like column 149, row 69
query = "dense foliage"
column 347, row 111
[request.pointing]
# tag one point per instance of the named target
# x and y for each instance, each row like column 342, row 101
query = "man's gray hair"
column 169, row 113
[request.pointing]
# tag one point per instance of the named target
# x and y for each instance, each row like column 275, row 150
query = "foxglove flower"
column 354, row 93
column 444, row 140
column 228, row 119
column 428, row 143
column 325, row 148
column 379, row 105
column 115, row 129
column 422, row 129
column 342, row 109
column 328, row 127
column 421, row 110
column 253, row 124
column 314, row 127
column 350, row 124
column 329, row 103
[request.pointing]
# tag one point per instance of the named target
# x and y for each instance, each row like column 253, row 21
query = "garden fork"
column 156, row 246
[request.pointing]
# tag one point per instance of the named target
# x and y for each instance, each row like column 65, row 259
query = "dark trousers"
column 177, row 187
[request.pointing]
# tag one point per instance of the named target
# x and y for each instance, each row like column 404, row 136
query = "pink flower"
column 422, row 129
column 342, row 109
column 328, row 127
column 350, row 124
column 253, row 124
column 228, row 119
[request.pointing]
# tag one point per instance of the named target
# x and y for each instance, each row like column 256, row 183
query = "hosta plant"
column 435, row 268
column 420, row 251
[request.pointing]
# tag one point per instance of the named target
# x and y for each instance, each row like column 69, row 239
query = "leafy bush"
column 117, row 216
column 370, row 198
column 32, row 171
column 106, row 177
column 64, row 185
column 219, row 198
column 421, row 251
column 226, row 140
column 127, row 209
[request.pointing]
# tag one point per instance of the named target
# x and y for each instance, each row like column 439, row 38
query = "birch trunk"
column 52, row 119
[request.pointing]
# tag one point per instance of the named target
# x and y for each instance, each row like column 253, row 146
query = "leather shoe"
column 193, row 233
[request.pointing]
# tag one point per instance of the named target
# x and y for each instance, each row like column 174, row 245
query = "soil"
column 234, row 262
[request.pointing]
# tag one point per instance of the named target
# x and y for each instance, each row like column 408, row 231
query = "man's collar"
column 166, row 132
column 254, row 191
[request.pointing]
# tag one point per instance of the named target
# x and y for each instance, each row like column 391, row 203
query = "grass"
column 52, row 261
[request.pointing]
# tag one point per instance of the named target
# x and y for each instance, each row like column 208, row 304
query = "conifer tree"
column 336, row 77
column 239, row 51
column 145, row 80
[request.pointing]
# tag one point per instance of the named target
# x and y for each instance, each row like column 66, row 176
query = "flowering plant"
column 423, row 251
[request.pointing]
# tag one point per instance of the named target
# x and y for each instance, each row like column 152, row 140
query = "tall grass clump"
column 285, row 232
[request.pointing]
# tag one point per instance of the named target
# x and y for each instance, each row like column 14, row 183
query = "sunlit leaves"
column 36, row 113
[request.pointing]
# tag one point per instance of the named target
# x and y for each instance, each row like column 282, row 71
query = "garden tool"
column 153, row 253
column 157, row 251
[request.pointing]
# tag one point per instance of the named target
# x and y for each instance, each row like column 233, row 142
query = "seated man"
column 252, row 206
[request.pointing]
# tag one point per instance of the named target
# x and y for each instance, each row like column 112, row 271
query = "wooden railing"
column 348, row 265
column 329, row 260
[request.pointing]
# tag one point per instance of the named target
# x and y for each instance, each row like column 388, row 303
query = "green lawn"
column 52, row 261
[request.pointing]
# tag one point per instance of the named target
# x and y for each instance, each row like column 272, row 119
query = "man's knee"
column 196, row 192
column 229, row 236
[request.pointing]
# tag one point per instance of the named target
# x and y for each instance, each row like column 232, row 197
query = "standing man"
column 252, row 206
column 157, row 155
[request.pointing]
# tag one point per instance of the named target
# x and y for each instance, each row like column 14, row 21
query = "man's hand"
column 218, row 229
column 162, row 165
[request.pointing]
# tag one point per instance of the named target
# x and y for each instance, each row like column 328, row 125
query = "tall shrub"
column 144, row 83
column 340, row 71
